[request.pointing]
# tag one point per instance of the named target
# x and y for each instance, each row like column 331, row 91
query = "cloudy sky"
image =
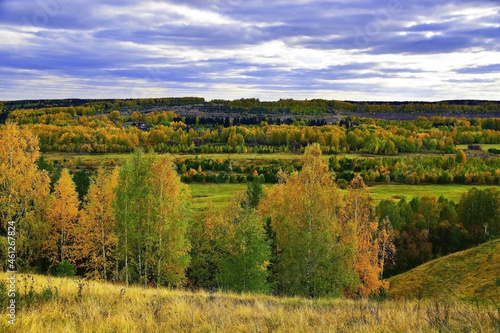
column 345, row 49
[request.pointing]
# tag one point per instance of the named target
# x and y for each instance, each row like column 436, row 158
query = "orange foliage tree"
column 360, row 211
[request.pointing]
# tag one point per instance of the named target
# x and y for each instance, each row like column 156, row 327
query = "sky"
column 381, row 50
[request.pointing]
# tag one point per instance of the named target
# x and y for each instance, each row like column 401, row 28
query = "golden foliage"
column 95, row 240
column 23, row 192
column 63, row 215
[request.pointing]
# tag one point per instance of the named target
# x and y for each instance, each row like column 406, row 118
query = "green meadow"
column 220, row 194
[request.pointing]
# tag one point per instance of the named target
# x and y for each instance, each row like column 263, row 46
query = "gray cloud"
column 250, row 45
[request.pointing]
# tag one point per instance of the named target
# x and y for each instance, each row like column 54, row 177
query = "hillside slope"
column 468, row 274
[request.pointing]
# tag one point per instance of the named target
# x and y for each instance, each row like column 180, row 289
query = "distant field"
column 397, row 191
column 220, row 194
column 96, row 159
column 484, row 147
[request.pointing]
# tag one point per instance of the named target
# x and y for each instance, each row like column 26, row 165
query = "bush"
column 379, row 295
column 47, row 294
column 494, row 151
column 222, row 177
column 65, row 269
column 474, row 147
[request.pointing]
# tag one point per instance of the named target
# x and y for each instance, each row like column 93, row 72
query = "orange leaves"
column 316, row 227
column 360, row 211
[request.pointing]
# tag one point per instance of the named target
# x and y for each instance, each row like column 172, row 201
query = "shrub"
column 47, row 294
column 65, row 269
column 494, row 151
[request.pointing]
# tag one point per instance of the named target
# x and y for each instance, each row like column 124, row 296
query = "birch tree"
column 316, row 252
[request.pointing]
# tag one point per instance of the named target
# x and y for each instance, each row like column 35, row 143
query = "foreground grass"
column 472, row 274
column 85, row 306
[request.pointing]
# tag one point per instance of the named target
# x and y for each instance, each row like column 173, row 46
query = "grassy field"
column 220, row 194
column 484, row 147
column 48, row 304
column 398, row 191
column 466, row 275
column 95, row 160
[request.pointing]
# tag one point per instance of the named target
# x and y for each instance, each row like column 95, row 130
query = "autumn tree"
column 62, row 215
column 360, row 211
column 132, row 209
column 95, row 241
column 168, row 248
column 136, row 116
column 386, row 247
column 316, row 251
column 23, row 194
column 460, row 157
column 151, row 212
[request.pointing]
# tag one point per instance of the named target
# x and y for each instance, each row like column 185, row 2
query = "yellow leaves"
column 94, row 236
column 62, row 215
column 20, row 180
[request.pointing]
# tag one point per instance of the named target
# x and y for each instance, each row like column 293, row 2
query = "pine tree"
column 246, row 254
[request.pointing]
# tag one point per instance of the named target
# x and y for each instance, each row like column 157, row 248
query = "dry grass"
column 87, row 306
column 469, row 275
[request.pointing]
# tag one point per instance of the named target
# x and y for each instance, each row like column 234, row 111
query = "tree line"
column 301, row 237
column 255, row 106
column 66, row 131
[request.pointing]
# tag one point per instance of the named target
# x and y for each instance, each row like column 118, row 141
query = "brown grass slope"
column 48, row 304
column 467, row 275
